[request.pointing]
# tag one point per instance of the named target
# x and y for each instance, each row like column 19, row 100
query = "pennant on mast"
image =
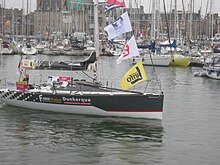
column 111, row 4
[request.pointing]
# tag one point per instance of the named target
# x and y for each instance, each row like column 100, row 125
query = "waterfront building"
column 64, row 17
column 11, row 21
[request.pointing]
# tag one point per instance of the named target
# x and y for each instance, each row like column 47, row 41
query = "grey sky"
column 146, row 3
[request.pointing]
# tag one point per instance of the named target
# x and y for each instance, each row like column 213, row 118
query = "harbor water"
column 188, row 134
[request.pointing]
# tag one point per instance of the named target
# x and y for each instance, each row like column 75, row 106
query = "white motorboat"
column 29, row 50
column 212, row 68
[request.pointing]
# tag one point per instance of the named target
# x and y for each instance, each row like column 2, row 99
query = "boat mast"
column 153, row 18
column 3, row 19
column 41, row 18
column 22, row 22
column 50, row 25
column 186, row 26
column 203, row 29
column 96, row 28
column 191, row 18
column 157, row 23
column 2, row 16
column 170, row 16
column 167, row 25
column 175, row 19
column 211, row 20
column 27, row 23
column 96, row 35
column 13, row 25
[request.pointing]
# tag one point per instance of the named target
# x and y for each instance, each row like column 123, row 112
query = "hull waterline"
column 135, row 106
column 158, row 60
column 180, row 60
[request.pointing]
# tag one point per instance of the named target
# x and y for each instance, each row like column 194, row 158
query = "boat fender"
column 142, row 59
column 218, row 73
column 209, row 71
column 196, row 74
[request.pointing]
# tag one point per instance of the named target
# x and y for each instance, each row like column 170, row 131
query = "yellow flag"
column 135, row 75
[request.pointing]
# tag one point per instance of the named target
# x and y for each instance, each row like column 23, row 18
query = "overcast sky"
column 147, row 3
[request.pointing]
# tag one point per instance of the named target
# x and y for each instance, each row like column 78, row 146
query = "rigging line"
column 93, row 78
column 110, row 88
column 135, row 17
column 168, row 31
column 154, row 70
column 186, row 25
column 203, row 28
column 136, row 4
column 170, row 17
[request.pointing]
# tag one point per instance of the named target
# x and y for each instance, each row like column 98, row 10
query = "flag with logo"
column 134, row 76
column 130, row 50
column 120, row 26
column 111, row 4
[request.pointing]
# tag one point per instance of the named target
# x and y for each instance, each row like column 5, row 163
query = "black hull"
column 110, row 103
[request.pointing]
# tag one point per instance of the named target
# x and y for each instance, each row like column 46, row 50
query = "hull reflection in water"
column 115, row 128
column 89, row 139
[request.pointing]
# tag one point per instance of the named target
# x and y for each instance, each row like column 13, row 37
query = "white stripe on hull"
column 76, row 109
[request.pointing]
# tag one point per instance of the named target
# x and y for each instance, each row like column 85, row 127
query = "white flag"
column 130, row 50
column 120, row 26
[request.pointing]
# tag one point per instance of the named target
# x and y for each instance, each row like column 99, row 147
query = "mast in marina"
column 22, row 22
column 3, row 19
column 96, row 28
column 27, row 23
column 211, row 20
column 175, row 19
column 191, row 18
column 153, row 18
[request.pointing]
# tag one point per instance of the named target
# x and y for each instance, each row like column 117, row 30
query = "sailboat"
column 6, row 48
column 178, row 59
column 68, row 95
column 212, row 68
column 149, row 54
column 27, row 48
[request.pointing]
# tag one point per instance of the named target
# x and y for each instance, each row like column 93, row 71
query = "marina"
column 187, row 132
column 104, row 82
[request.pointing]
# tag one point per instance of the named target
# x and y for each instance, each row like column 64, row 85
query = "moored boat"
column 79, row 96
column 180, row 60
column 153, row 59
column 6, row 48
column 91, row 99
column 212, row 68
column 29, row 49
column 64, row 94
